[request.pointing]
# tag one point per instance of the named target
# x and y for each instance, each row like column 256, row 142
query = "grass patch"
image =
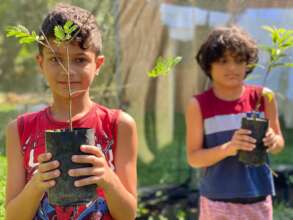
column 282, row 212
column 7, row 113
column 2, row 184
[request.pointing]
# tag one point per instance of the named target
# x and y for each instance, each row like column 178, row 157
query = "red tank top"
column 31, row 129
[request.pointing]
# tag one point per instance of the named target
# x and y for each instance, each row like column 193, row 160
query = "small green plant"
column 277, row 51
column 164, row 66
column 62, row 34
column 282, row 41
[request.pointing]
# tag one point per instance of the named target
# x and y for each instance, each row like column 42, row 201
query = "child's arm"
column 274, row 139
column 23, row 200
column 121, row 195
column 119, row 187
column 200, row 157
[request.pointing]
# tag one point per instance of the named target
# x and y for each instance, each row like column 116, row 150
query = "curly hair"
column 88, row 35
column 223, row 39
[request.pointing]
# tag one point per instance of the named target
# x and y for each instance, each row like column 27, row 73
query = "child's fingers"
column 44, row 157
column 245, row 138
column 44, row 181
column 270, row 139
column 49, row 175
column 92, row 159
column 44, row 167
column 92, row 150
column 271, row 147
column 268, row 142
column 49, row 184
column 87, row 181
column 88, row 171
column 242, row 131
column 245, row 146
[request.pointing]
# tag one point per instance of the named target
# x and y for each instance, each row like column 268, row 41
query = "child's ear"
column 39, row 60
column 99, row 62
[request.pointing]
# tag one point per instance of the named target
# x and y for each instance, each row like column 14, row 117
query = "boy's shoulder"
column 204, row 94
column 31, row 115
column 253, row 91
column 115, row 115
column 104, row 110
column 105, row 113
column 253, row 87
column 249, row 88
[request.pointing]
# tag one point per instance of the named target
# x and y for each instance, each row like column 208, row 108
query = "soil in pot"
column 258, row 127
column 63, row 144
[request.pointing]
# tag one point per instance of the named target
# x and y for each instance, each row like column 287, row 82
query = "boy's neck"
column 228, row 93
column 79, row 107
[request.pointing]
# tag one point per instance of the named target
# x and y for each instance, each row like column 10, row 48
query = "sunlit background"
column 135, row 34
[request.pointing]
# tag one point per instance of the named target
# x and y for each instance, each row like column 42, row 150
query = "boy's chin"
column 234, row 83
column 73, row 95
column 231, row 86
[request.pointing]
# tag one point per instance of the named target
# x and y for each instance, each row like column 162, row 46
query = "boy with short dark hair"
column 113, row 158
column 230, row 189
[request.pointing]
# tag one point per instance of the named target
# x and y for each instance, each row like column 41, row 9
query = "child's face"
column 83, row 66
column 229, row 70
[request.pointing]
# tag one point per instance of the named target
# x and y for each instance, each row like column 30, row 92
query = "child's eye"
column 80, row 60
column 54, row 59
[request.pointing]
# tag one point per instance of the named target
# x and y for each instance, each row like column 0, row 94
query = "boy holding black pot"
column 230, row 189
column 31, row 171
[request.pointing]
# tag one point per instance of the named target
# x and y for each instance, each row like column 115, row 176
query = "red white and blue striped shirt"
column 230, row 178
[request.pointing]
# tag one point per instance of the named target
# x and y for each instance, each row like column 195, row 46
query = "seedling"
column 62, row 34
column 282, row 41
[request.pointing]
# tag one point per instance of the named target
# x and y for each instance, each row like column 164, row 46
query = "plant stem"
column 69, row 90
column 48, row 45
column 272, row 171
column 257, row 106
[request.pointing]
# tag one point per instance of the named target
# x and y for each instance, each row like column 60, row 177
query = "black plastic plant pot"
column 258, row 127
column 63, row 144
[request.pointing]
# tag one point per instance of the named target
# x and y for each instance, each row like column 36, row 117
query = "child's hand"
column 99, row 173
column 241, row 141
column 44, row 176
column 270, row 140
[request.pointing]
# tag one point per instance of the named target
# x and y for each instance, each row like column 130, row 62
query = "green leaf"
column 285, row 37
column 23, row 28
column 275, row 36
column 16, row 31
column 73, row 28
column 21, row 32
column 268, row 28
column 164, row 66
column 27, row 40
column 288, row 64
column 59, row 33
column 64, row 33
column 67, row 26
